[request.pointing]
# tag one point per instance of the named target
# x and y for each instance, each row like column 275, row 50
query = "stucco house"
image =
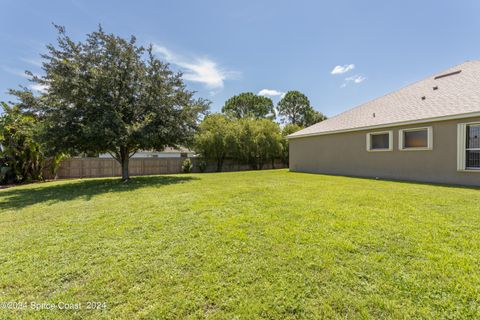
column 428, row 131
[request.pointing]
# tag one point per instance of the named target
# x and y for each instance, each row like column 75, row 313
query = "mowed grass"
column 266, row 244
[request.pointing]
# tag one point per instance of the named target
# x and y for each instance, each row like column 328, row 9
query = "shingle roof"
column 176, row 150
column 457, row 92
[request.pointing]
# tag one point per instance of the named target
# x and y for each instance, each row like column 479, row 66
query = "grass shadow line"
column 18, row 198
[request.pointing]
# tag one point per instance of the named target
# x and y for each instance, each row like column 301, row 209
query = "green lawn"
column 266, row 244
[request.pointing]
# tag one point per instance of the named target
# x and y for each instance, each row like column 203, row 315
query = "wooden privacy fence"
column 101, row 167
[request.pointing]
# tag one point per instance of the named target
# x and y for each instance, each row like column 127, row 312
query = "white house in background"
column 168, row 152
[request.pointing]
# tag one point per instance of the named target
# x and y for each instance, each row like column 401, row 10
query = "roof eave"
column 388, row 125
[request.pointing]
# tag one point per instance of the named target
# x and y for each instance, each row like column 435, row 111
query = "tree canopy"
column 295, row 108
column 248, row 104
column 215, row 138
column 312, row 116
column 108, row 94
column 247, row 140
column 258, row 141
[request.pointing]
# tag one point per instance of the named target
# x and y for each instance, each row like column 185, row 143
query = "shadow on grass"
column 14, row 198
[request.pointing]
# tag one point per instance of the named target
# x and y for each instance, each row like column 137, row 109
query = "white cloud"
column 196, row 69
column 270, row 93
column 355, row 79
column 34, row 87
column 15, row 72
column 33, row 62
column 342, row 69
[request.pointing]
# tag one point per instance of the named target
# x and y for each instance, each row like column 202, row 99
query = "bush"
column 6, row 175
column 187, row 166
column 21, row 156
column 202, row 165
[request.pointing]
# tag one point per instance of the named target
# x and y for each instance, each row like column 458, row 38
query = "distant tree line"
column 245, row 130
column 108, row 94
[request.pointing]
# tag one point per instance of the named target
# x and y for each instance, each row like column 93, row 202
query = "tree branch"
column 132, row 153
column 114, row 155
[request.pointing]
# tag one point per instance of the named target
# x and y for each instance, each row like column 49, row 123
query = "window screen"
column 473, row 147
column 473, row 137
column 415, row 139
column 379, row 141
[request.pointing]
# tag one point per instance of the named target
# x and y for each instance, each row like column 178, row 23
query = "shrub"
column 202, row 165
column 187, row 166
column 6, row 175
column 21, row 156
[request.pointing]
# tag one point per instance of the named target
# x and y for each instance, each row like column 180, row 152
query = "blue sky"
column 228, row 47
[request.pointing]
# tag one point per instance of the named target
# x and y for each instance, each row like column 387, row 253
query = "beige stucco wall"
column 346, row 154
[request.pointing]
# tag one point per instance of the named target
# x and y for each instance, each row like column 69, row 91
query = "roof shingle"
column 458, row 93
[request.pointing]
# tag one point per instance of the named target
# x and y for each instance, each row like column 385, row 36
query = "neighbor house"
column 428, row 131
column 168, row 152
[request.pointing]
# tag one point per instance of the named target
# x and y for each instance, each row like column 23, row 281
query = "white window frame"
column 462, row 147
column 429, row 146
column 390, row 141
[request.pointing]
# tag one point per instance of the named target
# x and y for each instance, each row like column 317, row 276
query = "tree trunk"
column 124, row 159
column 219, row 165
column 254, row 164
column 125, row 174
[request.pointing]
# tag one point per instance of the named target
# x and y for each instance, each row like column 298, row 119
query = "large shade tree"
column 108, row 94
column 249, row 105
column 295, row 108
